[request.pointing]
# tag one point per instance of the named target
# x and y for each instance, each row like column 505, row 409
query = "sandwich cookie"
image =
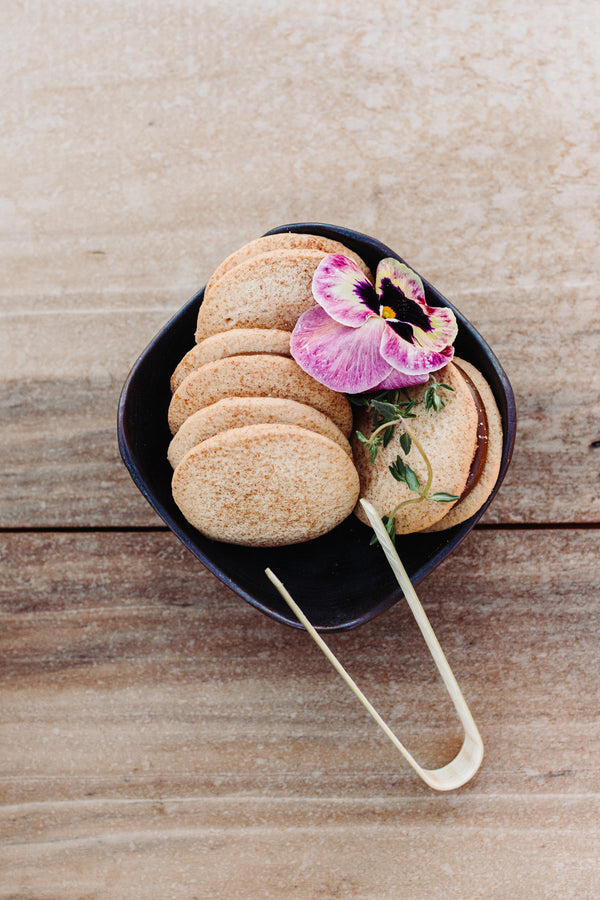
column 488, row 456
column 449, row 439
column 236, row 412
column 265, row 485
column 270, row 290
column 231, row 343
column 285, row 240
column 255, row 375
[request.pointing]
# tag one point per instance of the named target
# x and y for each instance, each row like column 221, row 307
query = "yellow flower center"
column 388, row 313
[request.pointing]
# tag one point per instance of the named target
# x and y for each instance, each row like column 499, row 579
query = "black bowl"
column 338, row 579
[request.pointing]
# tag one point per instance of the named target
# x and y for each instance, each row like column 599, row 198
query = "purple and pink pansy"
column 365, row 337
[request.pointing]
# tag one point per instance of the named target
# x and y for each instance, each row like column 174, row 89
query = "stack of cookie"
column 260, row 449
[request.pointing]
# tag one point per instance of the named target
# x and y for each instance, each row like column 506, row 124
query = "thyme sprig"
column 391, row 408
column 401, row 471
column 432, row 397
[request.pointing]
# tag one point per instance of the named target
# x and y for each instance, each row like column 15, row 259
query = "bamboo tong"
column 468, row 760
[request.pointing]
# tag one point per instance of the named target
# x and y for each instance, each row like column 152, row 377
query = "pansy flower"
column 365, row 337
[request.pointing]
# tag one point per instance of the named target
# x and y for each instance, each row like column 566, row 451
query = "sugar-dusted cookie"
column 255, row 375
column 265, row 485
column 448, row 438
column 236, row 412
column 486, row 464
column 270, row 290
column 231, row 343
column 285, row 240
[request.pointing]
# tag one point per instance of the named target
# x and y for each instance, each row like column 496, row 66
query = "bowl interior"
column 338, row 579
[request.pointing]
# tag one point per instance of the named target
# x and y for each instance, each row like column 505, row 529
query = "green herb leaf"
column 443, row 497
column 432, row 398
column 387, row 410
column 398, row 469
column 387, row 435
column 411, row 479
column 408, row 406
column 390, row 527
column 358, row 400
column 401, row 471
column 405, row 442
column 432, row 401
column 371, row 445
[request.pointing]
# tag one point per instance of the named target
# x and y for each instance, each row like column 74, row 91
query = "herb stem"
column 422, row 493
column 419, row 447
column 384, row 426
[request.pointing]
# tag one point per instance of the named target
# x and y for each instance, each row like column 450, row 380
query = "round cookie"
column 449, row 439
column 231, row 343
column 236, row 412
column 265, row 485
column 270, row 290
column 256, row 375
column 491, row 425
column 285, row 240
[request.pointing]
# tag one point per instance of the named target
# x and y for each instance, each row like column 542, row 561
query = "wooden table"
column 159, row 737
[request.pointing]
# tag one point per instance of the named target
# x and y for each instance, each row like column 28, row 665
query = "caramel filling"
column 481, row 448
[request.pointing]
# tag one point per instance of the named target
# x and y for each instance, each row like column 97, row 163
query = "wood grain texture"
column 160, row 132
column 154, row 723
column 158, row 737
column 59, row 461
column 130, row 174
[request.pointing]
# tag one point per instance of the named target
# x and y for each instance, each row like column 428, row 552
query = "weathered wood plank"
column 324, row 848
column 119, row 627
column 131, row 173
column 479, row 168
column 59, row 462
column 159, row 738
column 155, row 727
column 134, row 619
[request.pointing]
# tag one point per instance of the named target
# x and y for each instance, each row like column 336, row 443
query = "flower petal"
column 401, row 289
column 401, row 277
column 344, row 359
column 442, row 328
column 344, row 291
column 411, row 358
column 398, row 379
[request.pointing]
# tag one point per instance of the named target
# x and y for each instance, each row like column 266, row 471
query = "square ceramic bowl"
column 339, row 580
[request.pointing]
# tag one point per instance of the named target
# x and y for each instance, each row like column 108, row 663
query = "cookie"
column 286, row 240
column 256, row 375
column 236, row 412
column 486, row 465
column 231, row 343
column 449, row 438
column 270, row 290
column 265, row 485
